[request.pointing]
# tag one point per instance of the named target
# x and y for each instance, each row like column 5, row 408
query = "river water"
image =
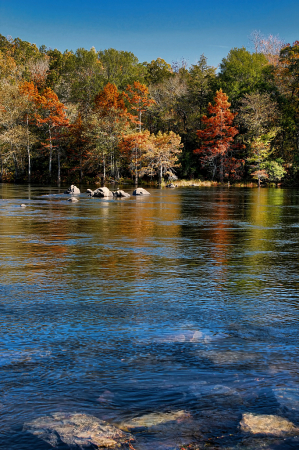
column 184, row 300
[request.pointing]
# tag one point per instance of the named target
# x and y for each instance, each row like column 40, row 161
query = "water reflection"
column 185, row 300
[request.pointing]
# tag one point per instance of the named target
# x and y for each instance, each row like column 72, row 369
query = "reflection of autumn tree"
column 35, row 253
column 221, row 236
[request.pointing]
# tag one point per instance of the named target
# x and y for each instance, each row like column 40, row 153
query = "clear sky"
column 169, row 29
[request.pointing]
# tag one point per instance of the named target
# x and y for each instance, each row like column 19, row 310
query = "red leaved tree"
column 51, row 115
column 139, row 100
column 217, row 136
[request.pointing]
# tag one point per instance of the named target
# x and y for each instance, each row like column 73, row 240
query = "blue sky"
column 150, row 29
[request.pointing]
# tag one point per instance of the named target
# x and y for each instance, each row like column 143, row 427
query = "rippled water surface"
column 184, row 300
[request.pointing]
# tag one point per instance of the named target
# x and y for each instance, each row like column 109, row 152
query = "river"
column 184, row 300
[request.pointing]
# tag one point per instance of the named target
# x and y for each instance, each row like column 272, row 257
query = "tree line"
column 102, row 115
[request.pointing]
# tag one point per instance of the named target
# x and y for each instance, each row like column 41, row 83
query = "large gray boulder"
column 102, row 192
column 77, row 431
column 120, row 193
column 140, row 191
column 267, row 424
column 72, row 190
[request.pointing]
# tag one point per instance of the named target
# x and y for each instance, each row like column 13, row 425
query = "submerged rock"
column 72, row 190
column 20, row 357
column 78, row 431
column 141, row 191
column 153, row 419
column 73, row 200
column 23, row 205
column 120, row 193
column 102, row 192
column 288, row 397
column 267, row 424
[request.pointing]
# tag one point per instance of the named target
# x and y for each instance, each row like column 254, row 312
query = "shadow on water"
column 184, row 300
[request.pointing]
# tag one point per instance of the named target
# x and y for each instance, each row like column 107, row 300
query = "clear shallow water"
column 187, row 299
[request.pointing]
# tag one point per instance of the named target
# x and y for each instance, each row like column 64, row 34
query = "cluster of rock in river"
column 86, row 431
column 103, row 192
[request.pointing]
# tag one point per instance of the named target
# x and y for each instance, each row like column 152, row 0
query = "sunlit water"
column 186, row 299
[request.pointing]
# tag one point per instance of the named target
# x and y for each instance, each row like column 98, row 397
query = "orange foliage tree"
column 30, row 92
column 110, row 99
column 133, row 148
column 139, row 100
column 108, row 122
column 217, row 136
column 51, row 114
column 162, row 154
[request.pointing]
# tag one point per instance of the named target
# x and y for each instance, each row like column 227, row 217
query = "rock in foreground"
column 77, row 431
column 141, row 191
column 73, row 200
column 268, row 424
column 102, row 192
column 72, row 190
column 120, row 193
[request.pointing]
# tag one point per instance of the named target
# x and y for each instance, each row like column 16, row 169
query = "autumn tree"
column 108, row 121
column 52, row 117
column 217, row 136
column 162, row 154
column 259, row 114
column 13, row 134
column 133, row 148
column 139, row 100
column 30, row 93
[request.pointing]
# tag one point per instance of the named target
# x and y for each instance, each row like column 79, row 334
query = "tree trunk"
column 160, row 174
column 81, row 170
column 221, row 168
column 16, row 166
column 58, row 167
column 28, row 151
column 51, row 152
column 136, row 167
column 104, row 169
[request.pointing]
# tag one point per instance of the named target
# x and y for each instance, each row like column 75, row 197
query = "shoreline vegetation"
column 91, row 116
